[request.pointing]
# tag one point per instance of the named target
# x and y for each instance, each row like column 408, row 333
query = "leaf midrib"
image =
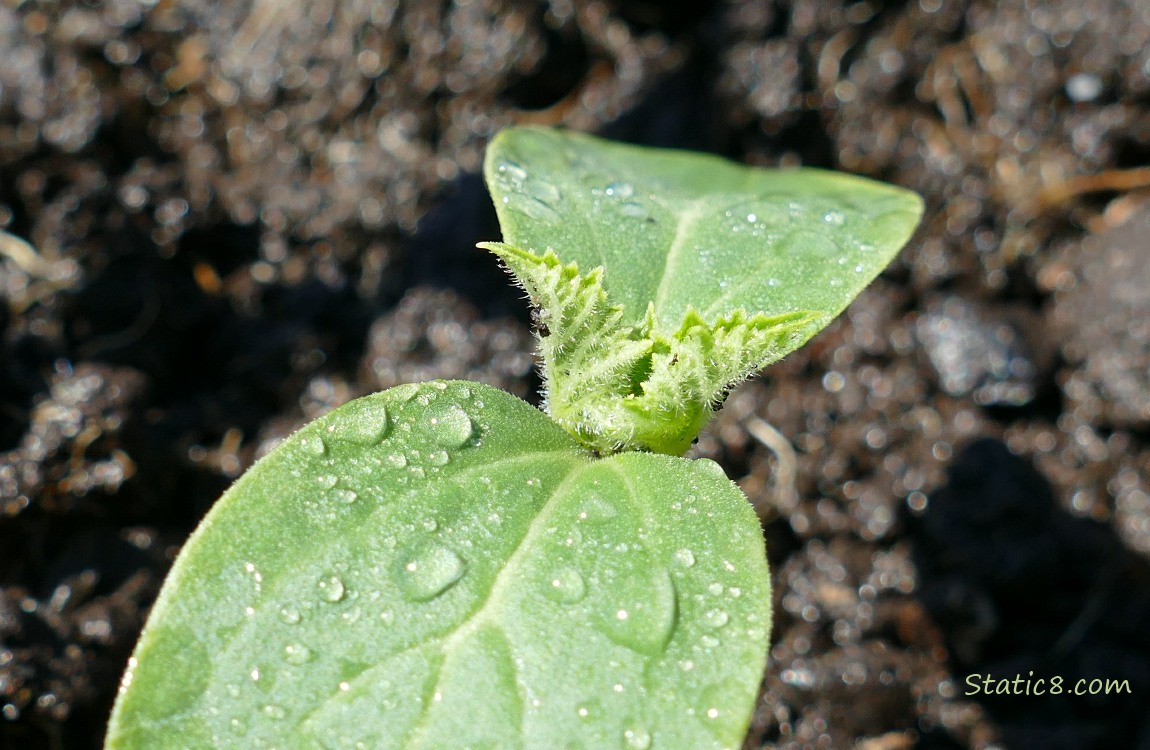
column 685, row 222
column 495, row 596
column 272, row 588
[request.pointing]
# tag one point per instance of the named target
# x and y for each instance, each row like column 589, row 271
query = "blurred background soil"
column 247, row 213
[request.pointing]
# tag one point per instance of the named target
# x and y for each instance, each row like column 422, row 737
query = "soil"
column 248, row 213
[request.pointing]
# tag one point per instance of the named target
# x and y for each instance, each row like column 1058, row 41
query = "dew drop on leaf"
column 398, row 460
column 716, row 618
column 711, row 467
column 438, row 458
column 715, row 703
column 289, row 616
column 646, row 615
column 589, row 710
column 835, row 218
column 637, row 737
column 450, row 427
column 273, row 712
column 327, row 481
column 535, row 209
column 546, row 191
column 428, row 573
column 595, row 508
column 314, row 445
column 344, row 496
column 297, row 653
column 404, row 393
column 331, row 589
column 685, row 557
column 367, row 427
column 566, row 586
column 512, row 171
column 620, row 190
column 634, row 210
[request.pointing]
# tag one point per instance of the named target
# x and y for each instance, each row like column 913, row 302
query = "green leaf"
column 441, row 566
column 657, row 246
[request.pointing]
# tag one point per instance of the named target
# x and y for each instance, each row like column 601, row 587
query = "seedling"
column 442, row 565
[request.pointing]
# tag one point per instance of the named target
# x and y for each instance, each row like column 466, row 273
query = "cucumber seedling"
column 442, row 565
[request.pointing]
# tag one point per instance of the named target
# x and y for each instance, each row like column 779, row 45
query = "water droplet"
column 428, row 573
column 398, row 460
column 595, row 508
column 430, row 524
column 773, row 282
column 589, row 710
column 345, row 496
column 716, row 618
column 368, row 426
column 290, row 615
column 404, row 393
column 835, row 218
column 633, row 209
column 859, row 268
column 752, row 218
column 646, row 615
column 450, row 427
column 620, row 190
column 709, row 641
column 637, row 737
column 715, row 589
column 715, row 701
column 566, row 587
column 273, row 712
column 536, row 209
column 438, row 458
column 512, row 170
column 711, row 467
column 327, row 481
column 685, row 557
column 314, row 445
column 297, row 653
column 546, row 192
column 331, row 589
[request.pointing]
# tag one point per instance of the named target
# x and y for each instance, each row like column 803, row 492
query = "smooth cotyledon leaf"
column 442, row 566
column 671, row 258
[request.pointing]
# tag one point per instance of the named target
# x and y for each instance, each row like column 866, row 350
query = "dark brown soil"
column 248, row 213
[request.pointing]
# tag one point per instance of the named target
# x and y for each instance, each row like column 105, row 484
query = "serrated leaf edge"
column 616, row 386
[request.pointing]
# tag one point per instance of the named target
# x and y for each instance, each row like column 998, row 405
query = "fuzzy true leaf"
column 621, row 387
column 686, row 242
column 441, row 566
